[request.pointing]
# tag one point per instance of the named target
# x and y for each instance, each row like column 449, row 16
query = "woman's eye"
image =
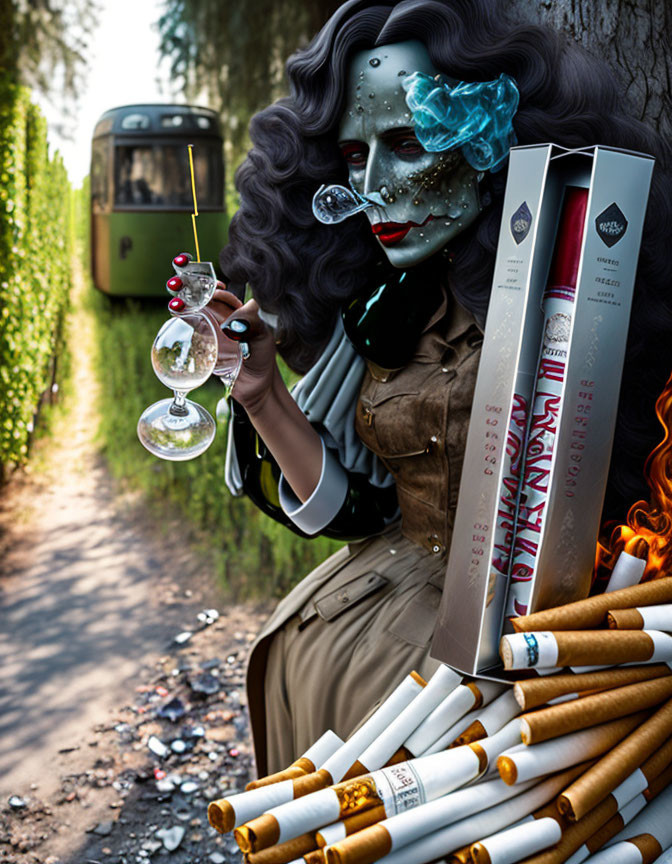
column 355, row 154
column 408, row 147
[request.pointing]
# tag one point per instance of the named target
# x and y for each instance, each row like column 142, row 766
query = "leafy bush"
column 35, row 243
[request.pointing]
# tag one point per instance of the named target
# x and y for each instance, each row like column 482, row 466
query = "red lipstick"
column 390, row 233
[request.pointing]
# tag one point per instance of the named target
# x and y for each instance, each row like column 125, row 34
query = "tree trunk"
column 633, row 36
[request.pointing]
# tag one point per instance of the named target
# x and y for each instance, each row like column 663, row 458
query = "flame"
column 648, row 532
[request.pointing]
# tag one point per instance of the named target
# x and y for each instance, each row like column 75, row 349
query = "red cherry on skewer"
column 174, row 284
column 177, row 304
column 181, row 260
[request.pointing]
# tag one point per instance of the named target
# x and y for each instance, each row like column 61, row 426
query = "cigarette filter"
column 311, row 761
column 658, row 784
column 351, row 825
column 643, row 849
column 442, row 682
column 338, row 764
column 398, row 787
column 642, row 618
column 284, row 852
column 590, row 711
column 463, row 698
column 491, row 719
column 461, row 856
column 617, row 764
column 315, row 857
column 516, row 766
column 507, row 847
column 539, row 691
column 590, row 613
column 627, row 571
column 658, row 762
column 473, row 828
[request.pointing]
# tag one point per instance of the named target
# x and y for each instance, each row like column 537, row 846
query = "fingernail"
column 174, row 284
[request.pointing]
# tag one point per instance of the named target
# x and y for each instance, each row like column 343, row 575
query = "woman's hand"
column 257, row 374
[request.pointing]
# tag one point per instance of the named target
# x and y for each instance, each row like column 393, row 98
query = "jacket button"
column 343, row 597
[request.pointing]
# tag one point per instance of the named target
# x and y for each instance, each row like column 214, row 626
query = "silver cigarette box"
column 472, row 611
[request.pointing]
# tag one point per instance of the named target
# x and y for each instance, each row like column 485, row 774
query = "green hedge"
column 35, row 240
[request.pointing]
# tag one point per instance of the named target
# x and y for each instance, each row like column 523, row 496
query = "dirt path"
column 89, row 597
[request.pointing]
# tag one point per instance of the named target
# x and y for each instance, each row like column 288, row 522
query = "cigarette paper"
column 616, row 765
column 654, row 819
column 463, row 698
column 449, row 737
column 557, row 719
column 491, row 719
column 642, row 618
column 442, row 682
column 620, row 853
column 627, row 571
column 516, row 766
column 611, row 828
column 473, row 828
column 284, row 852
column 658, row 784
column 226, row 813
column 539, row 691
column 658, row 761
column 338, row 764
column 340, row 830
column 581, row 647
column 590, row 613
column 665, row 858
column 512, row 845
column 312, row 760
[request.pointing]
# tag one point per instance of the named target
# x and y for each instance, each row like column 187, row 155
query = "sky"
column 124, row 69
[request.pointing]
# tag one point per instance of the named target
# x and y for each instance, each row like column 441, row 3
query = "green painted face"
column 429, row 197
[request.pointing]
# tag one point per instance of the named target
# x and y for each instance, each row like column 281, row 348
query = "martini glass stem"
column 179, row 407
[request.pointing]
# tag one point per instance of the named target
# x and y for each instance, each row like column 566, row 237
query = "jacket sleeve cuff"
column 313, row 515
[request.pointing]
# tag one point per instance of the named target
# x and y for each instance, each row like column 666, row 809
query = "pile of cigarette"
column 572, row 762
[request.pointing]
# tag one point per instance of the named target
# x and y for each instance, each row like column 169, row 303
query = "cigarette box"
column 536, row 463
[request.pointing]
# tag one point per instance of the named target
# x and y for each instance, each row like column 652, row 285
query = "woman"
column 341, row 640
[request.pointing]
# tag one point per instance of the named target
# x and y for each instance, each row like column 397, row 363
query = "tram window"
column 158, row 176
column 171, row 121
column 203, row 122
column 99, row 190
column 135, row 121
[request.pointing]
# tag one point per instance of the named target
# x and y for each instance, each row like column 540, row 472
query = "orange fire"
column 648, row 532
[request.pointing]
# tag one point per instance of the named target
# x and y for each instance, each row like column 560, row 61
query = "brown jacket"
column 339, row 642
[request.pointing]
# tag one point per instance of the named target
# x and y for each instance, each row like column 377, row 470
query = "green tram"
column 141, row 197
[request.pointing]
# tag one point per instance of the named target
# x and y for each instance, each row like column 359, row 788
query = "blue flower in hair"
column 475, row 117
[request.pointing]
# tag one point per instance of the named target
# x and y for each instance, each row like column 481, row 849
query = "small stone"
column 157, row 746
column 102, row 829
column 171, row 837
column 216, row 858
column 185, row 635
column 17, row 803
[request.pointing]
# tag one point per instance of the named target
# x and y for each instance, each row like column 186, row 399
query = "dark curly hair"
column 302, row 270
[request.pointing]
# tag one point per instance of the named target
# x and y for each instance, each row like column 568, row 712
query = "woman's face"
column 429, row 197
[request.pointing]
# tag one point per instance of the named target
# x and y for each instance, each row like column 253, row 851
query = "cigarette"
column 338, row 764
column 658, row 784
column 311, row 760
column 591, row 710
column 540, row 691
column 627, row 571
column 514, row 844
column 461, row 856
column 641, row 618
column 491, row 719
column 616, row 765
column 284, row 852
column 455, row 705
column 351, row 825
column 654, row 819
column 583, row 647
column 658, row 762
column 643, row 849
column 517, row 766
column 590, row 613
column 451, row 734
column 609, row 830
column 441, row 684
column 482, row 824
column 397, row 788
column 315, row 857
